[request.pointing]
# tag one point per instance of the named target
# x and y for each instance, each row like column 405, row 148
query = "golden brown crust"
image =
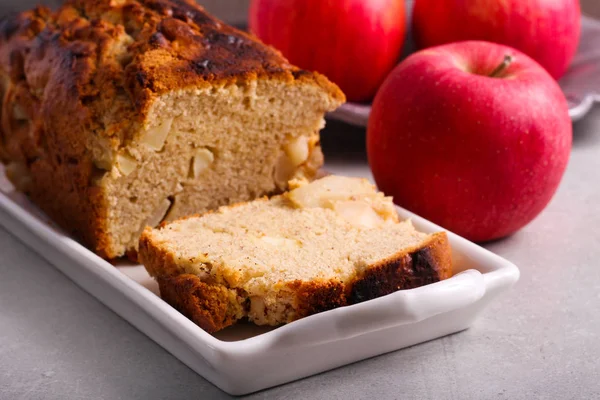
column 87, row 74
column 209, row 306
column 409, row 269
column 316, row 297
column 45, row 77
column 137, row 49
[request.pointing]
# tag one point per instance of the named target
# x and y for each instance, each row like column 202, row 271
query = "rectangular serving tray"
column 244, row 358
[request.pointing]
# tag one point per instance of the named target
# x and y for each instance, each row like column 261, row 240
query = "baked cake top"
column 118, row 55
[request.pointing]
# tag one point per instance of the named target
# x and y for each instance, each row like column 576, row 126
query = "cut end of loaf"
column 329, row 243
column 205, row 148
column 163, row 111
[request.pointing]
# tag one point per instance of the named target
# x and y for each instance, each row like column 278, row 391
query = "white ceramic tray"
column 245, row 359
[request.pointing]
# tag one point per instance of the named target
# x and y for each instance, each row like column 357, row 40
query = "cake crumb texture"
column 119, row 114
column 326, row 244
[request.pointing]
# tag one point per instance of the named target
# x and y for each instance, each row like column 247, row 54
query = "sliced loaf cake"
column 329, row 243
column 120, row 114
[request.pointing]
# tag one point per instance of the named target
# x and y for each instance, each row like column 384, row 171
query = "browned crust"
column 411, row 268
column 39, row 77
column 209, row 306
column 170, row 44
column 318, row 296
column 67, row 69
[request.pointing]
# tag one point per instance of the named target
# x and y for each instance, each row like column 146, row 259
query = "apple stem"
column 508, row 59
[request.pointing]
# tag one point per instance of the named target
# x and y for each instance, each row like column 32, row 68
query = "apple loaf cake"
column 332, row 242
column 118, row 114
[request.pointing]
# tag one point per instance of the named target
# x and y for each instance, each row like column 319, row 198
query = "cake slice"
column 326, row 244
column 121, row 114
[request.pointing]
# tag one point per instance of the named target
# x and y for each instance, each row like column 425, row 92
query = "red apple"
column 355, row 43
column 473, row 136
column 546, row 30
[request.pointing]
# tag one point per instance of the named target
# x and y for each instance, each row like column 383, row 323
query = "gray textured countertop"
column 539, row 341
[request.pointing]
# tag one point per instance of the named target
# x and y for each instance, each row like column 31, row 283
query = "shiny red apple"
column 546, row 30
column 474, row 136
column 355, row 43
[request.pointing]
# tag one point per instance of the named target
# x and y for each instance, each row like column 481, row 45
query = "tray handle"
column 399, row 308
column 410, row 306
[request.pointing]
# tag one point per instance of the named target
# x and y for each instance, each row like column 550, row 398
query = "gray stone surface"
column 539, row 341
